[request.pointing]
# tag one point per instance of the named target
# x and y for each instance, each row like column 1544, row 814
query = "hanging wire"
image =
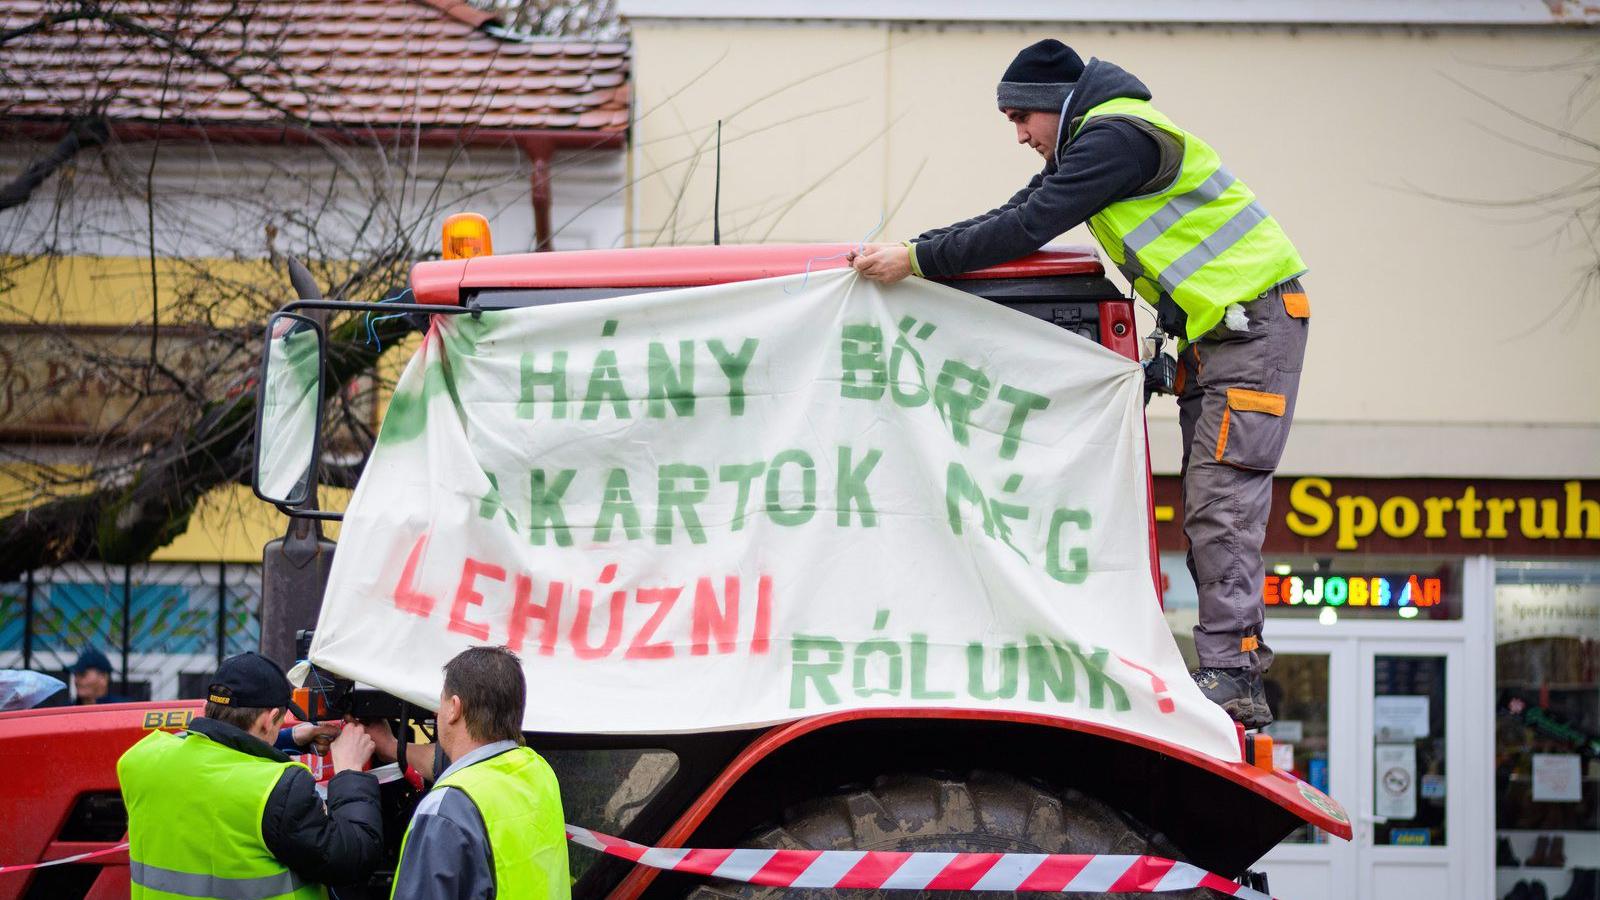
column 372, row 332
column 860, row 245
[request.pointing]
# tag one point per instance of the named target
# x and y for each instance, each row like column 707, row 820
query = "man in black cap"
column 1194, row 242
column 218, row 812
column 91, row 679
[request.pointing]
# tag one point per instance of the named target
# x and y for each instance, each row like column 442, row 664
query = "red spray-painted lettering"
column 608, row 619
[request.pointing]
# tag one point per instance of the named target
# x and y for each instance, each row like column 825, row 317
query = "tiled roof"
column 350, row 63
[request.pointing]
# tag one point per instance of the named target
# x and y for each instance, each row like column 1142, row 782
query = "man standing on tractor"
column 1193, row 242
column 218, row 812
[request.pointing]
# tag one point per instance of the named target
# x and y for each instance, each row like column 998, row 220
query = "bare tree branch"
column 86, row 132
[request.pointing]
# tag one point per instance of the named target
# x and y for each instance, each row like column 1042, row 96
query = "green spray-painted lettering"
column 493, row 504
column 670, row 495
column 1049, row 668
column 977, row 685
column 1057, row 671
column 1100, row 684
column 1053, row 665
column 408, row 409
column 1023, row 403
column 808, row 488
column 861, row 352
column 545, row 512
column 734, row 366
column 819, row 674
column 893, row 667
column 744, row 475
column 1003, row 514
column 906, row 393
column 1077, row 567
column 605, row 386
column 957, row 393
column 554, row 378
column 851, row 490
column 919, row 672
column 958, row 487
column 669, row 383
column 617, row 504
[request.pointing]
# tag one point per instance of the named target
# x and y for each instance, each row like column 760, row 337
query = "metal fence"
column 164, row 626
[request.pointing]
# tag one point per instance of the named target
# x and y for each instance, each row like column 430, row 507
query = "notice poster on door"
column 1400, row 718
column 1557, row 778
column 1395, row 780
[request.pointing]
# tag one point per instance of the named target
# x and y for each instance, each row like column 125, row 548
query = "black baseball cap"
column 251, row 680
column 91, row 658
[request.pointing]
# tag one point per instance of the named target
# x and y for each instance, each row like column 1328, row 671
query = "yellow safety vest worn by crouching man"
column 491, row 827
column 194, row 821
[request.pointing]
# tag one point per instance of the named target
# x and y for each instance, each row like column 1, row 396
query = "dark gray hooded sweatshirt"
column 1109, row 160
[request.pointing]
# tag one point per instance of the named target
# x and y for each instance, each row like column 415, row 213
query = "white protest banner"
column 743, row 504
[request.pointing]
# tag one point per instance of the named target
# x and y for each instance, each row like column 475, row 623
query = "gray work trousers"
column 1236, row 393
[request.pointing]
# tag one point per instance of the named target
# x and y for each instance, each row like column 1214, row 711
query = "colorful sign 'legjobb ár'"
column 741, row 504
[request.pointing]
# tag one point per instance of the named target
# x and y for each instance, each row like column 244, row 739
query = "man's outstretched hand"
column 885, row 263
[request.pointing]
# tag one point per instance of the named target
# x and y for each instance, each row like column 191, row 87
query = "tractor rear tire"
column 986, row 812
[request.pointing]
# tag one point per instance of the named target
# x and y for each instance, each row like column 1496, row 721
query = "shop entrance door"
column 1377, row 722
column 1410, row 834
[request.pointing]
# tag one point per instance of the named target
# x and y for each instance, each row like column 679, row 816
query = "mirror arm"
column 350, row 306
column 321, row 515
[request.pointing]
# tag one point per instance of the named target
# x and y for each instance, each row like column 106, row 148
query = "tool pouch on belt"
column 1171, row 318
column 1254, row 429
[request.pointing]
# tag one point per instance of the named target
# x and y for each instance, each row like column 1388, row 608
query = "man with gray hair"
column 492, row 826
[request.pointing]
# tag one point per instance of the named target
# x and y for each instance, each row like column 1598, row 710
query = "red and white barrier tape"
column 76, row 857
column 884, row 870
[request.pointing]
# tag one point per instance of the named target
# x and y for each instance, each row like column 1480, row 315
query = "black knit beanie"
column 1040, row 77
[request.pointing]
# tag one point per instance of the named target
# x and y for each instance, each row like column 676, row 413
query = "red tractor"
column 882, row 779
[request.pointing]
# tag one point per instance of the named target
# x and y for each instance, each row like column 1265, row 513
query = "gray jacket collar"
column 478, row 756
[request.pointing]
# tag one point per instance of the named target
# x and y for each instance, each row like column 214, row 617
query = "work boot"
column 1238, row 691
column 1585, row 885
column 1556, row 854
column 1503, row 857
column 1541, row 850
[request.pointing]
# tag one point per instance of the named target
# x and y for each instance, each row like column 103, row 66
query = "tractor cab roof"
column 443, row 282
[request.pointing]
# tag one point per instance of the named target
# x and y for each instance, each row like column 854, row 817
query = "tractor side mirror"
column 289, row 411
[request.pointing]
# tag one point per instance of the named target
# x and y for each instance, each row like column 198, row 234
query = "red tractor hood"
column 441, row 282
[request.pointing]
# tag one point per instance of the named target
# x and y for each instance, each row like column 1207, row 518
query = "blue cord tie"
column 372, row 332
column 860, row 245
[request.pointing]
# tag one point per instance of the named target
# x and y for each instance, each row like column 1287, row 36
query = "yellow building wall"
column 229, row 524
column 115, row 290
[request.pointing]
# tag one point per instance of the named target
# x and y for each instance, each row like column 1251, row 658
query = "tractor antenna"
column 716, row 194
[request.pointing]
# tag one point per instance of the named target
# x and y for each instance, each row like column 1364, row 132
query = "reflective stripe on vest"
column 1203, row 242
column 194, row 822
column 517, row 795
column 188, row 884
